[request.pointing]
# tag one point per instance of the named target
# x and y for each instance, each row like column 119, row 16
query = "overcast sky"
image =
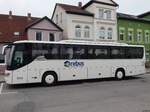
column 42, row 8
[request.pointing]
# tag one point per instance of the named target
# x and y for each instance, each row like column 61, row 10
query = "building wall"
column 135, row 27
column 69, row 21
column 45, row 34
column 46, row 28
column 83, row 21
column 103, row 22
column 62, row 20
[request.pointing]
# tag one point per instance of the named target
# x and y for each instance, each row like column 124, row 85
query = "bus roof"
column 78, row 42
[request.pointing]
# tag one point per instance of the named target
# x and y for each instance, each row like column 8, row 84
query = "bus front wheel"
column 49, row 79
column 120, row 74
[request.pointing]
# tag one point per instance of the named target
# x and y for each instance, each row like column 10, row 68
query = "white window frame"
column 139, row 37
column 108, row 14
column 102, row 33
column 87, row 31
column 130, row 35
column 121, row 32
column 147, row 37
column 41, row 35
column 78, row 31
column 110, row 34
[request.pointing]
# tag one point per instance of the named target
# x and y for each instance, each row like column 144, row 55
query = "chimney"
column 80, row 4
column 10, row 14
column 29, row 16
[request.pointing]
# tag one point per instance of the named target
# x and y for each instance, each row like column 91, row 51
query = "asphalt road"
column 107, row 95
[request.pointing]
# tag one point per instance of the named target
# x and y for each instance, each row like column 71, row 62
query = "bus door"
column 19, row 64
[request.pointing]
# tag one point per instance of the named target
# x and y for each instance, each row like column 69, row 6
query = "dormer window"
column 16, row 33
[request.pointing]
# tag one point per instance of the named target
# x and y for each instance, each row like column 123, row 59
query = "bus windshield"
column 8, row 53
column 21, row 56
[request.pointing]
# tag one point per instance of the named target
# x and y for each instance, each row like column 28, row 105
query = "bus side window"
column 118, row 53
column 55, row 53
column 67, row 52
column 134, row 53
column 90, row 53
column 79, row 53
column 101, row 53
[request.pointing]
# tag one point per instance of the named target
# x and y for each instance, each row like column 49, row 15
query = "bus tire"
column 49, row 78
column 120, row 74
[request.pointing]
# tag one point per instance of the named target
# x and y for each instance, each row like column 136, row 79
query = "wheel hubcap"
column 49, row 79
column 119, row 75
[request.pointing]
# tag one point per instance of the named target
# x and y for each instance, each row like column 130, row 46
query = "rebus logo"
column 73, row 64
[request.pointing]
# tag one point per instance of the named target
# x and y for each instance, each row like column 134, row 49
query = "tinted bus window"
column 134, row 52
column 73, row 52
column 90, row 53
column 66, row 52
column 101, row 53
column 117, row 53
column 2, row 58
column 48, row 51
column 38, row 50
column 21, row 56
column 79, row 52
column 52, row 51
column 98, row 53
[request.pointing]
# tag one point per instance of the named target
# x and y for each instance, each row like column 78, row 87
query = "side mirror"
column 4, row 49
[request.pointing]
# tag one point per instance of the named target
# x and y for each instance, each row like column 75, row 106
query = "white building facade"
column 95, row 21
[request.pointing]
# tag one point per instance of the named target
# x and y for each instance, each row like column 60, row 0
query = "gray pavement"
column 106, row 95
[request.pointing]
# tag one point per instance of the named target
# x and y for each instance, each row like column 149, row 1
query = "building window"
column 110, row 33
column 147, row 37
column 57, row 19
column 51, row 37
column 61, row 17
column 39, row 36
column 87, row 32
column 130, row 36
column 108, row 14
column 102, row 33
column 139, row 36
column 16, row 33
column 101, row 13
column 78, row 31
column 121, row 35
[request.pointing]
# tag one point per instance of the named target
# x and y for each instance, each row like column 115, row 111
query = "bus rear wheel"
column 120, row 74
column 49, row 79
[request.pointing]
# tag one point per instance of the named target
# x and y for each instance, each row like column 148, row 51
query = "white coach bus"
column 49, row 62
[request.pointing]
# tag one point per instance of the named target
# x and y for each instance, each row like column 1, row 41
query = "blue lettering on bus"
column 73, row 64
